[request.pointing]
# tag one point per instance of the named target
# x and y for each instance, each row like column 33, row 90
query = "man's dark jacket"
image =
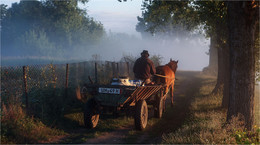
column 143, row 68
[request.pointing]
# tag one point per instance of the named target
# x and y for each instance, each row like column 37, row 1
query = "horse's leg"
column 166, row 90
column 172, row 95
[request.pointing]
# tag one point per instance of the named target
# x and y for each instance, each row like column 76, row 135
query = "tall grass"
column 17, row 127
column 207, row 124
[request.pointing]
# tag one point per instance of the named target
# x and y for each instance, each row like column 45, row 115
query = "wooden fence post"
column 67, row 80
column 85, row 71
column 67, row 76
column 25, row 86
column 117, row 70
column 96, row 76
column 54, row 76
column 113, row 69
column 127, row 67
column 77, row 73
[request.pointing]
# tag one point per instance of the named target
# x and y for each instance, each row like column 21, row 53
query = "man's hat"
column 145, row 52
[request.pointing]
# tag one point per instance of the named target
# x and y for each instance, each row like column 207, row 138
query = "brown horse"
column 165, row 75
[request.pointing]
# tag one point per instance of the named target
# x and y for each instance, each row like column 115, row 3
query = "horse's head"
column 173, row 65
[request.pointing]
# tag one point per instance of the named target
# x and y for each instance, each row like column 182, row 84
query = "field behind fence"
column 21, row 81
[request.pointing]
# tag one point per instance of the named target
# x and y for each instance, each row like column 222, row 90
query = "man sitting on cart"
column 144, row 68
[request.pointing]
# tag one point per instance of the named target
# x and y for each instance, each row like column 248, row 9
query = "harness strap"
column 164, row 76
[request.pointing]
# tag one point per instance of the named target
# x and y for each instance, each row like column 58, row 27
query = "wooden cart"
column 123, row 98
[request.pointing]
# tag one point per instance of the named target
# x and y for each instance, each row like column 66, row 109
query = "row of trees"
column 232, row 27
column 47, row 28
column 59, row 30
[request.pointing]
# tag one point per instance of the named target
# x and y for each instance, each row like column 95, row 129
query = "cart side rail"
column 142, row 93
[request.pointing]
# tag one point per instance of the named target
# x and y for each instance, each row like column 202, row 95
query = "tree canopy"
column 233, row 27
column 47, row 28
column 176, row 16
column 169, row 17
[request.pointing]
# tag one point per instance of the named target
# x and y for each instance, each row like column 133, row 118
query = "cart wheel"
column 91, row 115
column 159, row 107
column 84, row 94
column 141, row 115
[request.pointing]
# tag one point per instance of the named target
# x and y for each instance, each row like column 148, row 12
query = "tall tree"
column 212, row 68
column 213, row 14
column 167, row 18
column 48, row 27
column 3, row 9
column 19, row 19
column 242, row 19
column 171, row 17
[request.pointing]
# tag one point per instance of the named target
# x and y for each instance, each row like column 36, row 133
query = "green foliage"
column 169, row 17
column 174, row 17
column 3, row 9
column 47, row 28
column 36, row 44
column 247, row 137
column 212, row 15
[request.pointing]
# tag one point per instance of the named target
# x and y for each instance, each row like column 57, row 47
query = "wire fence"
column 21, row 80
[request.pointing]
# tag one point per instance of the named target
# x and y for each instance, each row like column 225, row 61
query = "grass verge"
column 207, row 123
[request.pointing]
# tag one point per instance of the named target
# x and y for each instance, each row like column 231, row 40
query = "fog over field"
column 190, row 52
column 122, row 18
column 120, row 39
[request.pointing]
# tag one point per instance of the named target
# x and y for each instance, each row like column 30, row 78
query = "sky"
column 121, row 17
column 114, row 15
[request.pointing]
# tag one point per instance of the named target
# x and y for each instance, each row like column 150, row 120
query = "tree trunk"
column 241, row 22
column 213, row 57
column 222, row 86
column 221, row 69
column 220, row 79
column 226, row 69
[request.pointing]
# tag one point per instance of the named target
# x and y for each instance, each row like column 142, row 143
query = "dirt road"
column 185, row 88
